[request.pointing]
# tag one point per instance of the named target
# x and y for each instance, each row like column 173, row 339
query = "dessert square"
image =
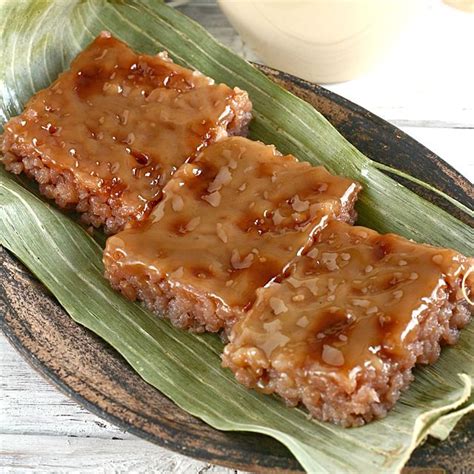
column 228, row 224
column 343, row 330
column 107, row 135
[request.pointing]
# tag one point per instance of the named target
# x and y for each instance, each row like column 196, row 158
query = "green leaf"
column 39, row 38
column 444, row 424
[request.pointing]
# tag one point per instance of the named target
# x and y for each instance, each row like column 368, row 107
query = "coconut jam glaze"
column 232, row 220
column 122, row 122
column 354, row 299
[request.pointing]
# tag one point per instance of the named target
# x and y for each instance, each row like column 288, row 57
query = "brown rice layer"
column 343, row 330
column 229, row 222
column 107, row 135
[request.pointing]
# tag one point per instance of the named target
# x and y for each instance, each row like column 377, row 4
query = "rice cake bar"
column 229, row 222
column 343, row 330
column 107, row 135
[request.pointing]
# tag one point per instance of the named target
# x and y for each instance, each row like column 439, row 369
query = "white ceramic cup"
column 319, row 40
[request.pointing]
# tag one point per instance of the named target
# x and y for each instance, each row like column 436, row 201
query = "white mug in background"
column 322, row 41
column 465, row 5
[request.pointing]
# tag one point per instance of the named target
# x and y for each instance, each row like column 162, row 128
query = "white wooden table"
column 424, row 86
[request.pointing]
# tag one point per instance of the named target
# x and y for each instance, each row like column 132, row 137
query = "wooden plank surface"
column 41, row 430
column 45, row 453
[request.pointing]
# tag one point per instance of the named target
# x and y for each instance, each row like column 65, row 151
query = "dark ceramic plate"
column 91, row 372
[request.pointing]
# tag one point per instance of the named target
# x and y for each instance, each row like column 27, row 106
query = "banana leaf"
column 38, row 40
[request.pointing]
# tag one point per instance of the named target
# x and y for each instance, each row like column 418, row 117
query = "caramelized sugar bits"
column 342, row 331
column 107, row 135
column 229, row 223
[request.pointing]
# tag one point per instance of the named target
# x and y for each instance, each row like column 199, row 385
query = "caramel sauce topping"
column 121, row 121
column 354, row 298
column 218, row 220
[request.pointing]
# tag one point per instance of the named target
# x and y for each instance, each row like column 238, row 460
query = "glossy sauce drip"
column 202, row 224
column 123, row 117
column 355, row 298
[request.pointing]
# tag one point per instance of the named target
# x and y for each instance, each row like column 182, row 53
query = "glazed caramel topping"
column 121, row 122
column 355, row 298
column 232, row 220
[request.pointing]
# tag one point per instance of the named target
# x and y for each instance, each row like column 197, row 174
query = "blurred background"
column 409, row 61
